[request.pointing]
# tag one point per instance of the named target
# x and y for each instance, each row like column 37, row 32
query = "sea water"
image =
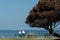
column 14, row 33
column 8, row 33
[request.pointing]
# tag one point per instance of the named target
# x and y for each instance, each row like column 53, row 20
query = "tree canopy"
column 44, row 14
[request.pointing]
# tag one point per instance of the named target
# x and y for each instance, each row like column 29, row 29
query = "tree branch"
column 52, row 32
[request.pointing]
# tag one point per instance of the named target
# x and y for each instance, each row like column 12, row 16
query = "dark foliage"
column 43, row 15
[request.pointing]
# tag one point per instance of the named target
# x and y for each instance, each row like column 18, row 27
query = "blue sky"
column 14, row 12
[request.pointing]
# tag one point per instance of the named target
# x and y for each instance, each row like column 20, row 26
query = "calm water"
column 14, row 33
column 8, row 33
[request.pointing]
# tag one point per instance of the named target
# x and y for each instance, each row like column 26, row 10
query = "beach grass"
column 28, row 38
column 8, row 39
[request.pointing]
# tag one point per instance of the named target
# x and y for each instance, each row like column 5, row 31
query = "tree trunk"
column 52, row 32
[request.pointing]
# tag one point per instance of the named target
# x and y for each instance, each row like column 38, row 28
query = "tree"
column 44, row 15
